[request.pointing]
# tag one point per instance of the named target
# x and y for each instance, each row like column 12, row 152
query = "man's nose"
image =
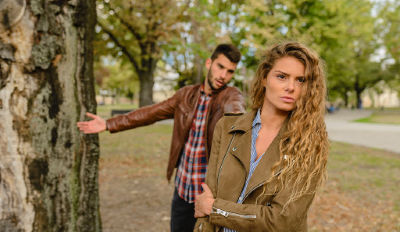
column 223, row 73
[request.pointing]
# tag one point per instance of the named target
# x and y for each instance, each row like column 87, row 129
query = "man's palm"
column 96, row 125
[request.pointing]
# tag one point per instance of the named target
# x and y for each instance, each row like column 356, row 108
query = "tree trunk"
column 358, row 90
column 48, row 170
column 346, row 99
column 198, row 70
column 359, row 100
column 146, row 88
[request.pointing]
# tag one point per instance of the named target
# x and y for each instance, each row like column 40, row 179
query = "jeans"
column 182, row 215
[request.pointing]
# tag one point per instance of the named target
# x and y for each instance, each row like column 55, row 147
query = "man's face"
column 220, row 72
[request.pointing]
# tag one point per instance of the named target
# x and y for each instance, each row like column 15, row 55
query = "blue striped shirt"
column 256, row 126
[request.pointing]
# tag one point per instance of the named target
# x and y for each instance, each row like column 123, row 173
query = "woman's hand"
column 203, row 203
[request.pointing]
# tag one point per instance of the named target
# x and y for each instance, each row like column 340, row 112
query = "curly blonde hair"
column 304, row 147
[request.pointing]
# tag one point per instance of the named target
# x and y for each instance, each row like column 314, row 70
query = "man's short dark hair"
column 229, row 50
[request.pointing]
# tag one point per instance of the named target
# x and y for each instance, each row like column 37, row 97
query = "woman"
column 266, row 165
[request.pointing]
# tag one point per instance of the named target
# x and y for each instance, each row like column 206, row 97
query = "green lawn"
column 105, row 110
column 386, row 117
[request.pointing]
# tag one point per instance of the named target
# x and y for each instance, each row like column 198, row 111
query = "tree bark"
column 146, row 88
column 358, row 89
column 48, row 170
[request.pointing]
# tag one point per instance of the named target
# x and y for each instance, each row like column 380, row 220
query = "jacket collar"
column 244, row 122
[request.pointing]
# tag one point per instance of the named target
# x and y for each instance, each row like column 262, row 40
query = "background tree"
column 205, row 25
column 48, row 170
column 136, row 31
column 345, row 40
column 120, row 79
column 390, row 24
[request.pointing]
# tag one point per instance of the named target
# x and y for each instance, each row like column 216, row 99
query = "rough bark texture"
column 146, row 87
column 48, row 170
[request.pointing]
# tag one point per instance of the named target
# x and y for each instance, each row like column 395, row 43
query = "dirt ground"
column 135, row 204
column 143, row 204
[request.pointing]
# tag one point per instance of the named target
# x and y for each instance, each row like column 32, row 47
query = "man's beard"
column 209, row 75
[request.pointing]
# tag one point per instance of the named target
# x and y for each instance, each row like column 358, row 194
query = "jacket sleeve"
column 235, row 102
column 269, row 217
column 144, row 115
column 203, row 224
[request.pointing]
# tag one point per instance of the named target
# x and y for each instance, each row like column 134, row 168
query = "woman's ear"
column 264, row 82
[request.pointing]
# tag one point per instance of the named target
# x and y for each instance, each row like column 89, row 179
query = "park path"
column 341, row 128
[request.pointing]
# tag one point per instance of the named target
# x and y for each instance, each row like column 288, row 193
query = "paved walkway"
column 341, row 128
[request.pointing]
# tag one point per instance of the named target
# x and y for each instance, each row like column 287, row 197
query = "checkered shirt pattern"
column 192, row 168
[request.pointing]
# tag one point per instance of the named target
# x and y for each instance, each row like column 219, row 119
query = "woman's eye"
column 280, row 76
column 301, row 79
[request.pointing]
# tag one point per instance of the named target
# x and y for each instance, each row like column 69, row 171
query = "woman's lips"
column 287, row 99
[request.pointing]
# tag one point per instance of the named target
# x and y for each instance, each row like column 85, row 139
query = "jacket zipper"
column 222, row 163
column 226, row 214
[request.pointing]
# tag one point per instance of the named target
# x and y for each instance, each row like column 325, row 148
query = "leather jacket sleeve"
column 144, row 115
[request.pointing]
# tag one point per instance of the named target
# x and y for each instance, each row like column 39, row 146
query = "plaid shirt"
column 192, row 168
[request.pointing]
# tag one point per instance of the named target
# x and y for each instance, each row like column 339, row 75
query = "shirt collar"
column 257, row 118
column 202, row 90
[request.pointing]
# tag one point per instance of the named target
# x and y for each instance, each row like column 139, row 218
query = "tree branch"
column 121, row 46
column 126, row 24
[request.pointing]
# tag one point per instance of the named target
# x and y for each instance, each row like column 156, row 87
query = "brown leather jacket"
column 182, row 107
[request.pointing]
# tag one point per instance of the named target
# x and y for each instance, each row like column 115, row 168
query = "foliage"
column 345, row 40
column 117, row 77
column 357, row 39
column 135, row 31
column 205, row 26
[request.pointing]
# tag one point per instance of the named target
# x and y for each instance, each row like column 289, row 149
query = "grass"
column 384, row 117
column 105, row 110
column 365, row 171
column 361, row 194
column 140, row 152
column 362, row 191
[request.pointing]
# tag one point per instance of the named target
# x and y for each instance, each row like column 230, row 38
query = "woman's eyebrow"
column 286, row 74
column 279, row 71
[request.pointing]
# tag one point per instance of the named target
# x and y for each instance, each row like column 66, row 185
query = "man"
column 195, row 110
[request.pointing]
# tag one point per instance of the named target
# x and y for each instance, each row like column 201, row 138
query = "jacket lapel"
column 241, row 146
column 263, row 170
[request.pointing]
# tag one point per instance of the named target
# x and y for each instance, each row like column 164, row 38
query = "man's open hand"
column 96, row 125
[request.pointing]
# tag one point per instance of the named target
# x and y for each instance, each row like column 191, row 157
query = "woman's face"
column 284, row 84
